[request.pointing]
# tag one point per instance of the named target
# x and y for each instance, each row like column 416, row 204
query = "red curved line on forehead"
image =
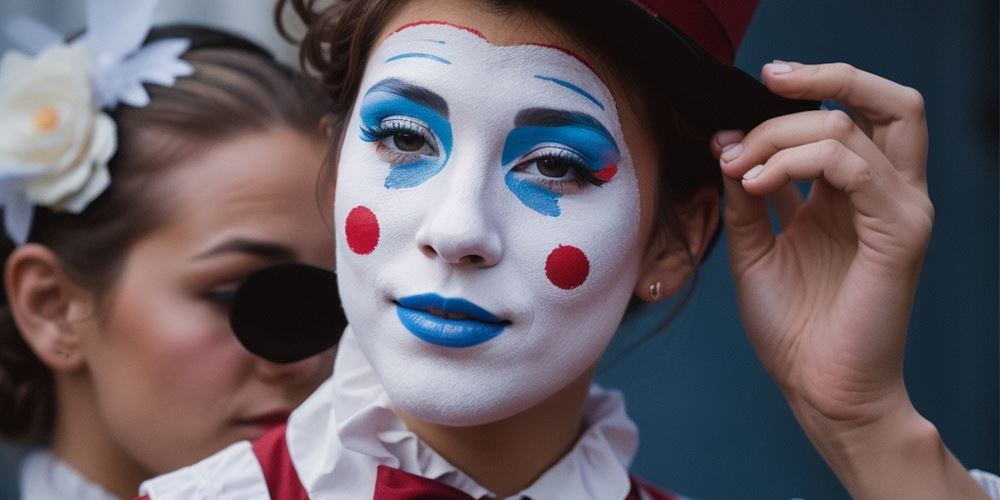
column 481, row 35
column 569, row 53
column 446, row 23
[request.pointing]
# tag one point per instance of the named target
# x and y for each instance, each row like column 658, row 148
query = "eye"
column 550, row 166
column 558, row 169
column 408, row 142
column 222, row 298
column 401, row 139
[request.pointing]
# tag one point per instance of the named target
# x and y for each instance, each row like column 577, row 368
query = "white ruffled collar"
column 352, row 408
column 45, row 476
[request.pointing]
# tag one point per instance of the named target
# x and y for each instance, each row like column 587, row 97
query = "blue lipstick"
column 448, row 322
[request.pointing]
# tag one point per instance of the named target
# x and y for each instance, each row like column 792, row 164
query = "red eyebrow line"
column 567, row 52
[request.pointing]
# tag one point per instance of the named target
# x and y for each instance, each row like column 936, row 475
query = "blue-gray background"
column 712, row 423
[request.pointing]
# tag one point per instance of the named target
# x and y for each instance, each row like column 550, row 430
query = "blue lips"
column 475, row 327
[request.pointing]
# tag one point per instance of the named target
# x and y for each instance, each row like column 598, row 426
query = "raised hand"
column 826, row 301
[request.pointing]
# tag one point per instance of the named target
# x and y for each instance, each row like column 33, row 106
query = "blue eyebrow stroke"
column 574, row 88
column 421, row 55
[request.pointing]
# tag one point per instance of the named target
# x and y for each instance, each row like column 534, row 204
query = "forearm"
column 898, row 456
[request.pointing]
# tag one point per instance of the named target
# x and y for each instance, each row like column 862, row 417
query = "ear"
column 668, row 264
column 328, row 126
column 44, row 303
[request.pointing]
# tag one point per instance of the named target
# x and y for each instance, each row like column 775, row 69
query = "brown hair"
column 237, row 88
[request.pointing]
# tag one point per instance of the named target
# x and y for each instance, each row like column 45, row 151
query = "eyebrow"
column 572, row 87
column 415, row 93
column 547, row 117
column 419, row 55
column 263, row 249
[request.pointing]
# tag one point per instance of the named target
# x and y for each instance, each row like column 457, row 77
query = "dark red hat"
column 687, row 47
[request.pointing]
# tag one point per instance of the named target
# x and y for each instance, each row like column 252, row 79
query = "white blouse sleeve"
column 989, row 482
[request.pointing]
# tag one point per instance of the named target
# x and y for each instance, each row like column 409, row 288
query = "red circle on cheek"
column 567, row 267
column 362, row 230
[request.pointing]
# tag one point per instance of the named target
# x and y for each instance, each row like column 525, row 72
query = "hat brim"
column 709, row 94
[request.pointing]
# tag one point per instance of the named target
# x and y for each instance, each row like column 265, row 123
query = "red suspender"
column 639, row 487
column 282, row 480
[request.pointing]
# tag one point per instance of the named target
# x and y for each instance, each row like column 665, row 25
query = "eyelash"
column 393, row 126
column 579, row 169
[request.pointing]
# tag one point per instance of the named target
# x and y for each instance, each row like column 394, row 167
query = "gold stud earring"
column 654, row 290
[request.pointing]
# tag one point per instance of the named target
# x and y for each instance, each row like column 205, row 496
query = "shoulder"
column 233, row 472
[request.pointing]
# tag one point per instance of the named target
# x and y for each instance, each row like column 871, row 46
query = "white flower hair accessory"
column 55, row 137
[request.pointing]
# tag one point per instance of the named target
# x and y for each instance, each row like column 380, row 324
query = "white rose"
column 54, row 141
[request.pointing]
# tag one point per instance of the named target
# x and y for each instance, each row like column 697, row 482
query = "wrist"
column 900, row 454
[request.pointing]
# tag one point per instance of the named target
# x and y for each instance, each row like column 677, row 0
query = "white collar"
column 44, row 476
column 338, row 437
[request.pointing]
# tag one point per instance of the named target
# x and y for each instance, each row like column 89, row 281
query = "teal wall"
column 712, row 423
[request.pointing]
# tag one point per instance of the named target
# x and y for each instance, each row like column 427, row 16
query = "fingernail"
column 753, row 173
column 779, row 68
column 731, row 152
column 727, row 137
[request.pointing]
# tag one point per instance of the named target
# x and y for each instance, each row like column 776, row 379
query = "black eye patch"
column 288, row 312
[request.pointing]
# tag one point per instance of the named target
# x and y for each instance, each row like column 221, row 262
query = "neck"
column 82, row 441
column 507, row 456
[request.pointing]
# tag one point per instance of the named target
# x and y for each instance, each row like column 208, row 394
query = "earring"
column 654, row 290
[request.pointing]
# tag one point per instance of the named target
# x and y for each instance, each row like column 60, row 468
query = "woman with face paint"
column 509, row 179
column 117, row 362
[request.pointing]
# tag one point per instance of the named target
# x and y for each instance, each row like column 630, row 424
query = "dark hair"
column 237, row 87
column 340, row 36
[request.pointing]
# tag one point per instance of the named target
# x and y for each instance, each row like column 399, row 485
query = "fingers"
column 895, row 112
column 830, row 160
column 795, row 130
column 878, row 99
column 747, row 226
column 748, row 229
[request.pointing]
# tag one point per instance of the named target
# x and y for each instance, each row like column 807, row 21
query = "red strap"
column 282, row 480
column 394, row 484
column 639, row 486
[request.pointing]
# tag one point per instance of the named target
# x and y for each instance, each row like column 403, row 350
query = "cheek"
column 567, row 267
column 362, row 230
column 162, row 366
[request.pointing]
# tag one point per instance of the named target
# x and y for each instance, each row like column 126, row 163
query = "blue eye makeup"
column 409, row 125
column 551, row 153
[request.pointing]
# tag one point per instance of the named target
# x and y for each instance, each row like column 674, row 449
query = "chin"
column 457, row 413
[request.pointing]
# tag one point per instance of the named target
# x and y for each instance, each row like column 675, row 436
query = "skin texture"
column 150, row 377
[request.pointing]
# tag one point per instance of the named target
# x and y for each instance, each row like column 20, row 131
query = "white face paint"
column 487, row 215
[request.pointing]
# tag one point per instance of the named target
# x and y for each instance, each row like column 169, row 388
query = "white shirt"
column 339, row 436
column 45, row 477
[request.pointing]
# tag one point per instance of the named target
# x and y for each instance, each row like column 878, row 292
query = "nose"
column 459, row 230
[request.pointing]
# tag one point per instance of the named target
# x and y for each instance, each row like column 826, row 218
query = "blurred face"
column 173, row 385
column 487, row 213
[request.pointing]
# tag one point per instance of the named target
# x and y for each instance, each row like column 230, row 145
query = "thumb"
column 748, row 227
